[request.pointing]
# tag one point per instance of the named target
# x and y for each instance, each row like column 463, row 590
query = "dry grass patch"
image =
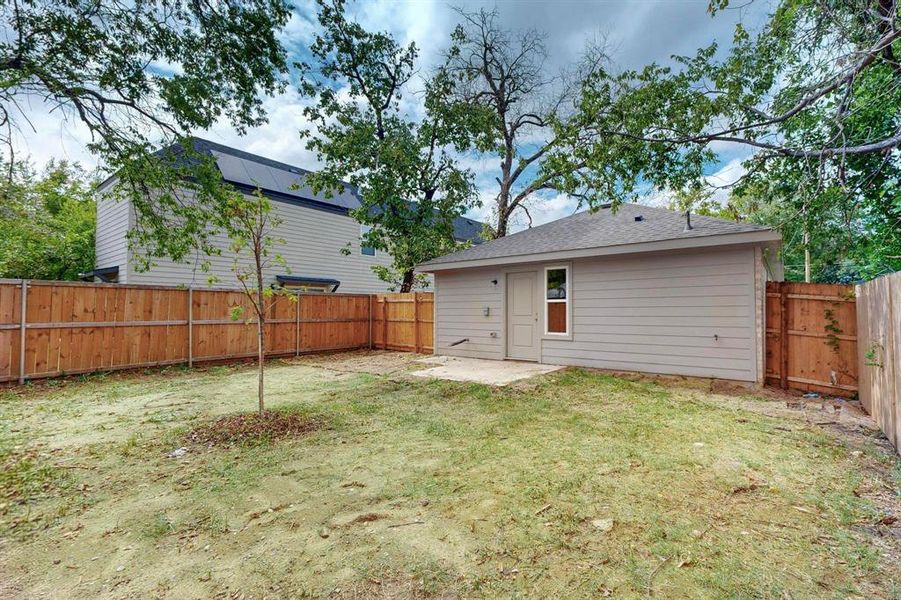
column 576, row 485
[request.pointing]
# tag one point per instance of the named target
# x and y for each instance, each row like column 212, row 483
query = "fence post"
column 297, row 326
column 23, row 307
column 385, row 322
column 190, row 327
column 783, row 336
column 416, row 322
column 370, row 321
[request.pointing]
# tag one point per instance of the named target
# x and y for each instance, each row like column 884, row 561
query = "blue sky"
column 637, row 32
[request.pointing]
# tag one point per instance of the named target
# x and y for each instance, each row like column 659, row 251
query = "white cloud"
column 681, row 27
column 727, row 176
column 719, row 182
column 55, row 134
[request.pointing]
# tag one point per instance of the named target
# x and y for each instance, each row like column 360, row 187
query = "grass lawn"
column 574, row 484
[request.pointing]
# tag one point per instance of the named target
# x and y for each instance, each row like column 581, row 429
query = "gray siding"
column 461, row 298
column 652, row 313
column 660, row 314
column 111, row 244
column 314, row 241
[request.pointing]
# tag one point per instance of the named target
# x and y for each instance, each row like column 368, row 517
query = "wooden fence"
column 403, row 322
column 68, row 327
column 879, row 348
column 811, row 337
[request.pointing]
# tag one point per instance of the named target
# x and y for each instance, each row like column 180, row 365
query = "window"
column 310, row 289
column 307, row 285
column 366, row 250
column 556, row 300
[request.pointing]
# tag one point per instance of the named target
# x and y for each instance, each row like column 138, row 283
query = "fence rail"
column 879, row 323
column 811, row 337
column 52, row 328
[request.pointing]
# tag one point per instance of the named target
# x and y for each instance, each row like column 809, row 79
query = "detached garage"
column 642, row 289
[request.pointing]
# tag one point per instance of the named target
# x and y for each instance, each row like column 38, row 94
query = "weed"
column 158, row 526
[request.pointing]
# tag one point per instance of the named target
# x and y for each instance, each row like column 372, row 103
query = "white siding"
column 110, row 243
column 314, row 240
column 461, row 298
column 655, row 313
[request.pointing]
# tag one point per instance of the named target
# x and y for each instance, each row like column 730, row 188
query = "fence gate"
column 811, row 337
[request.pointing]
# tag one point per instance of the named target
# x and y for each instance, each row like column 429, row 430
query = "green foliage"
column 403, row 166
column 872, row 355
column 395, row 278
column 250, row 224
column 699, row 201
column 815, row 93
column 47, row 222
column 141, row 75
column 852, row 238
column 832, row 328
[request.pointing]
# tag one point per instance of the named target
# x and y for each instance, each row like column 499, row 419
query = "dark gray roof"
column 281, row 181
column 251, row 170
column 601, row 229
column 468, row 229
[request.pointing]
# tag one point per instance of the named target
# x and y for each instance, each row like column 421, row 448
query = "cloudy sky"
column 637, row 32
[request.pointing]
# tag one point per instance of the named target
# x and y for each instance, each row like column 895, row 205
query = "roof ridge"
column 270, row 162
column 582, row 231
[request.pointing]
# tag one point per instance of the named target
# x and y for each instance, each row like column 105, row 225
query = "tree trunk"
column 806, row 256
column 407, row 283
column 261, row 334
column 503, row 215
column 261, row 355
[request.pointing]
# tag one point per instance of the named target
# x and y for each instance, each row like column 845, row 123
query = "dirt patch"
column 366, row 518
column 253, row 428
column 375, row 362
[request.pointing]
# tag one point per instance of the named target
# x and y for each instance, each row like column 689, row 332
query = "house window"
column 366, row 250
column 307, row 285
column 310, row 289
column 556, row 300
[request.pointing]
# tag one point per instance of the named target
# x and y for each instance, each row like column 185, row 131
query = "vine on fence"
column 832, row 329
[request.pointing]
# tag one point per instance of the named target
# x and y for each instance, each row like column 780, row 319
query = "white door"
column 522, row 316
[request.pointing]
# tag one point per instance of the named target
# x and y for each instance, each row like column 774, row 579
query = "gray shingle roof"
column 601, row 229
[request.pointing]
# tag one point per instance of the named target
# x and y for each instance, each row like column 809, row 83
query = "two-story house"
column 323, row 250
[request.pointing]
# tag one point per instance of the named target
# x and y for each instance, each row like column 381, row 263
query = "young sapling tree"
column 251, row 224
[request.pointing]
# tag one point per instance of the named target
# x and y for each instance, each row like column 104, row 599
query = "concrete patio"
column 489, row 372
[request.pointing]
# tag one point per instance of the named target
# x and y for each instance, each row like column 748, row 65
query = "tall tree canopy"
column 47, row 222
column 138, row 75
column 815, row 95
column 400, row 157
column 505, row 73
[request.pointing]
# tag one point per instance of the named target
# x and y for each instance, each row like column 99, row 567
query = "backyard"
column 570, row 484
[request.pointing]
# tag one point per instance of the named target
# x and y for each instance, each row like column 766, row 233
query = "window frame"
column 363, row 247
column 557, row 335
